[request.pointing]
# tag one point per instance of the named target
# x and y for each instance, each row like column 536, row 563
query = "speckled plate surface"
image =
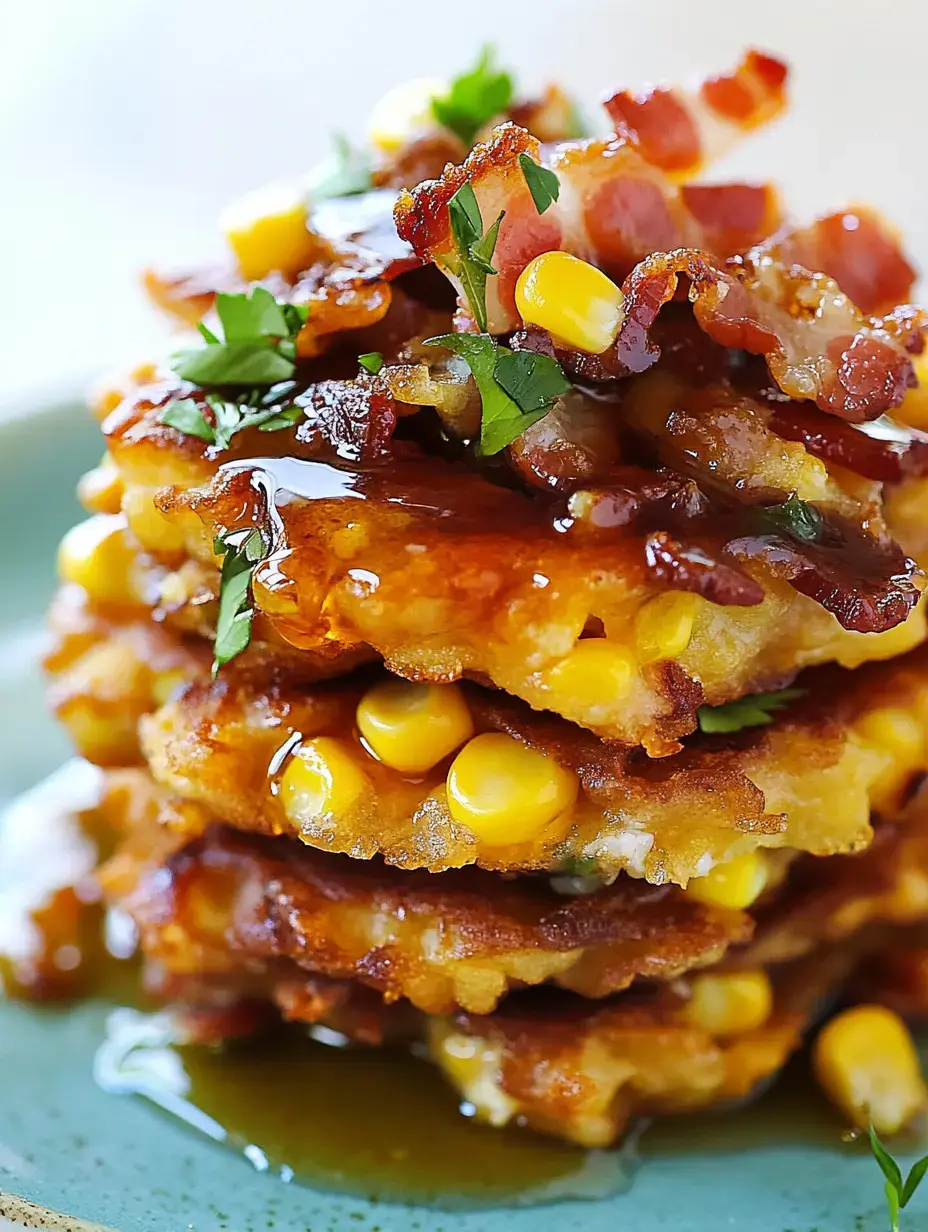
column 118, row 1162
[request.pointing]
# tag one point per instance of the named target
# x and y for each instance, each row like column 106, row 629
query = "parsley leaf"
column 756, row 710
column 258, row 346
column 474, row 98
column 187, row 416
column 256, row 409
column 898, row 1193
column 797, row 517
column 345, row 173
column 372, row 361
column 241, row 551
column 517, row 388
column 474, row 249
column 542, row 183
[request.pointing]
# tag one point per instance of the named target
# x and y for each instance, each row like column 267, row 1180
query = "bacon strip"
column 817, row 343
column 614, row 209
column 679, row 129
column 860, row 250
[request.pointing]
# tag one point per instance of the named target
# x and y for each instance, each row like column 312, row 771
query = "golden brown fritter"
column 807, row 781
column 479, row 578
column 229, row 901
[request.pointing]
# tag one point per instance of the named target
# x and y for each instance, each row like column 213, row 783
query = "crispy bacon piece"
column 860, row 250
column 678, row 129
column 881, row 450
column 817, row 343
column 614, row 209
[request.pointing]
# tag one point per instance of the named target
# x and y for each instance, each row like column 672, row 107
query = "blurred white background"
column 126, row 124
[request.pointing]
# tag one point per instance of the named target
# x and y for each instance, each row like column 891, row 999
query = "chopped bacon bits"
column 659, row 125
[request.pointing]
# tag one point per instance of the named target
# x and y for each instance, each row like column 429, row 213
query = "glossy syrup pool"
column 375, row 1123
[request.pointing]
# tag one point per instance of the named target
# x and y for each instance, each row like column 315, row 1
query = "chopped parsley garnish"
column 345, row 173
column 542, row 183
column 372, row 361
column 474, row 249
column 241, row 551
column 262, row 409
column 517, row 388
column 898, row 1192
column 756, row 710
column 474, row 98
column 258, row 346
column 797, row 517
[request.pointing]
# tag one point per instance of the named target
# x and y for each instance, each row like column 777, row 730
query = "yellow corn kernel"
column 573, row 300
column 404, row 111
column 867, row 1064
column 323, row 777
column 900, row 737
column 914, row 408
column 597, row 672
column 149, row 525
column 729, row 1003
column 267, row 230
column 664, row 626
column 100, row 490
column 506, row 792
column 734, row 884
column 474, row 1066
column 98, row 555
column 411, row 727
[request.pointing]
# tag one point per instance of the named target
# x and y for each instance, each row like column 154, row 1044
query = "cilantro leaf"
column 345, row 173
column 534, row 382
column 240, row 552
column 756, row 710
column 372, row 361
column 187, row 416
column 257, row 347
column 542, row 183
column 474, row 249
column 797, row 517
column 474, row 97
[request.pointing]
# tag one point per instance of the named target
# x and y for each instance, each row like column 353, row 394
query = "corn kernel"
column 573, row 300
column 149, row 525
column 267, row 231
column 914, row 408
column 411, row 727
column 730, row 1003
column 97, row 554
column 474, row 1066
column 100, row 490
column 866, row 1063
column 595, row 673
column 734, row 884
column 506, row 792
column 900, row 737
column 664, row 626
column 322, row 778
column 404, row 111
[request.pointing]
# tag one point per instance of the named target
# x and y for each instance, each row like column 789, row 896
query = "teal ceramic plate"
column 117, row 1161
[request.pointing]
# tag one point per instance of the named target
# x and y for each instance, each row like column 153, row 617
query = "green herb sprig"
column 898, row 1191
column 258, row 346
column 241, row 552
column 517, row 388
column 474, row 98
column 346, row 173
column 542, row 183
column 258, row 409
column 474, row 249
column 756, row 710
column 797, row 517
column 372, row 362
